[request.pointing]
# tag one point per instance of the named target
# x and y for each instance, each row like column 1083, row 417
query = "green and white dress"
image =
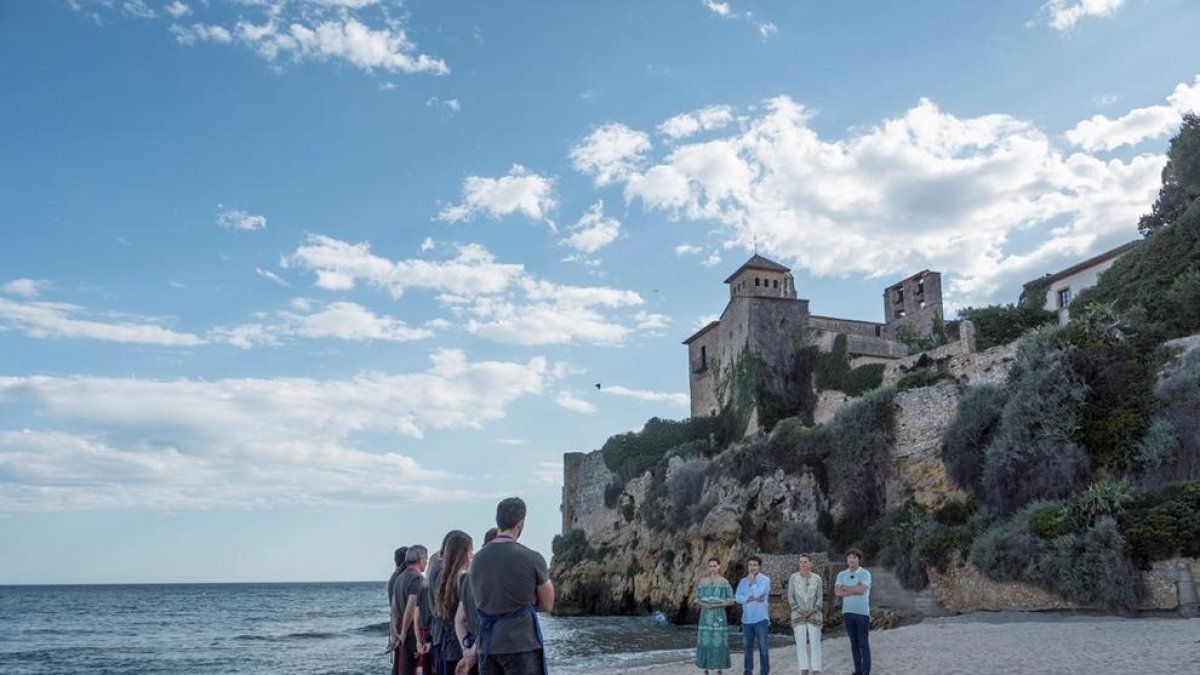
column 712, row 642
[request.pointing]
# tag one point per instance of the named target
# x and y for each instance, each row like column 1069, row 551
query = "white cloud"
column 712, row 260
column 573, row 403
column 337, row 320
column 139, row 9
column 610, row 152
column 520, row 191
column 721, row 9
column 594, row 230
column 183, row 444
column 1157, row 121
column 200, row 32
column 704, row 119
column 651, row 320
column 688, row 249
column 272, row 277
column 427, row 244
column 766, row 30
column 451, row 104
column 237, row 219
column 924, row 190
column 1062, row 15
column 339, row 265
column 497, row 301
column 679, row 400
column 24, row 287
column 513, row 441
column 345, row 39
column 349, row 4
column 548, row 474
column 387, row 86
column 178, row 9
column 61, row 320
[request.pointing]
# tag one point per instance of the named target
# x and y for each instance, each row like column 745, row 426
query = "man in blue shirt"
column 752, row 594
column 853, row 586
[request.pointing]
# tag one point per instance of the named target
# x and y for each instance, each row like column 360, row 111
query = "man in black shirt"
column 405, row 601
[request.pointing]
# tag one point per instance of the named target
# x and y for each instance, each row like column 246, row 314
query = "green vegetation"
column 1163, row 523
column 835, row 374
column 571, row 548
column 922, row 377
column 969, row 433
column 1001, row 324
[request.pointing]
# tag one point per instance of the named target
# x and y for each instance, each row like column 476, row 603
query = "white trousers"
column 808, row 646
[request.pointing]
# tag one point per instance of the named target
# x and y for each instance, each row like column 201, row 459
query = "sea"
column 252, row 629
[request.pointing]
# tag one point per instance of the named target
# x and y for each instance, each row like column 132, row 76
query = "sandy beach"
column 1006, row 643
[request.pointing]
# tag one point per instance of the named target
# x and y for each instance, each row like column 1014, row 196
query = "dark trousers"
column 405, row 660
column 521, row 663
column 857, row 628
column 752, row 633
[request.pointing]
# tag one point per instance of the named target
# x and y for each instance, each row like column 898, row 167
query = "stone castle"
column 764, row 317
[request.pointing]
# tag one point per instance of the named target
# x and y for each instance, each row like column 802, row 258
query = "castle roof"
column 758, row 262
column 711, row 325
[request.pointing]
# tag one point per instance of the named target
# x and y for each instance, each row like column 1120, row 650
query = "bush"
column 859, row 437
column 955, row 512
column 657, row 436
column 1032, row 455
column 1091, row 567
column 1164, row 523
column 1170, row 450
column 571, row 548
column 685, row 487
column 802, row 537
column 974, row 424
column 1049, row 521
column 1001, row 324
column 1098, row 501
column 834, row 373
column 1008, row 550
column 922, row 377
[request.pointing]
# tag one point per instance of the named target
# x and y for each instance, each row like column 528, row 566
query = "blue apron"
column 487, row 622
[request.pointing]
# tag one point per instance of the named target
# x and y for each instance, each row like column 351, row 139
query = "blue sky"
column 288, row 283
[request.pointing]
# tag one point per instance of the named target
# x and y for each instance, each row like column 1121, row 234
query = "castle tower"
column 915, row 302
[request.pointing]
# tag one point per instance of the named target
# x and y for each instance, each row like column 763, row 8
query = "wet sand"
column 1005, row 643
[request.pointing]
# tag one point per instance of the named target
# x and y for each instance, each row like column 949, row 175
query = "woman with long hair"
column 456, row 560
column 713, row 595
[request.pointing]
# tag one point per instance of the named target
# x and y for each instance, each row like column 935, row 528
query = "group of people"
column 461, row 612
column 806, row 598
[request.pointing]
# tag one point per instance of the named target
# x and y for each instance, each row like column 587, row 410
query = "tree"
column 1181, row 178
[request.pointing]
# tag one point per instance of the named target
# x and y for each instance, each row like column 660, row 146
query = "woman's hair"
column 714, row 560
column 805, row 556
column 455, row 556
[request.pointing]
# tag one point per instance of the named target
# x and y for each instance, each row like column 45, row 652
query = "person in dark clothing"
column 394, row 620
column 406, row 601
column 511, row 584
column 456, row 559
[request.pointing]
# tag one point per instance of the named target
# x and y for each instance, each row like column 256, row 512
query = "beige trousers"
column 808, row 646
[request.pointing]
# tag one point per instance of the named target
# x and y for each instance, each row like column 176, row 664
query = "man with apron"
column 511, row 584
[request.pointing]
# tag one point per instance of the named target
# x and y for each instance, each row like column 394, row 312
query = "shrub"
column 955, row 512
column 1008, row 550
column 1001, row 324
column 654, row 440
column 1170, row 450
column 1049, row 521
column 802, row 537
column 975, row 422
column 571, row 548
column 1164, row 523
column 922, row 377
column 834, row 373
column 685, row 487
column 859, row 437
column 1097, row 501
column 1033, row 455
column 1091, row 566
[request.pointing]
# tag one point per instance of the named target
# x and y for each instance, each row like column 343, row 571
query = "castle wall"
column 847, row 326
column 703, row 357
column 915, row 302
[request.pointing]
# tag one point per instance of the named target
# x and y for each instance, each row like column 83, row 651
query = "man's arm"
column 545, row 596
column 742, row 596
column 409, row 618
column 766, row 592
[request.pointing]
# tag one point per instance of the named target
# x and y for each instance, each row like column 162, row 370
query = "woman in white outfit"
column 806, row 595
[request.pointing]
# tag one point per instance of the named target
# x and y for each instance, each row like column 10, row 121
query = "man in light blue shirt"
column 853, row 586
column 752, row 594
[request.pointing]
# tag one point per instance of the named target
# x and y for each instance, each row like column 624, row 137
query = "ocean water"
column 265, row 628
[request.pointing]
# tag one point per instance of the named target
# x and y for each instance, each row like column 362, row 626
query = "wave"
column 304, row 635
column 380, row 628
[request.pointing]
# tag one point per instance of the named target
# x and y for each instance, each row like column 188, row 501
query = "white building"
column 1067, row 284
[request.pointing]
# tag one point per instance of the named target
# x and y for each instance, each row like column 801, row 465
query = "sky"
column 285, row 284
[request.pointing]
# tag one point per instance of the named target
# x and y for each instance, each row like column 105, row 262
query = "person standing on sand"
column 853, row 586
column 466, row 620
column 511, row 585
column 406, row 599
column 806, row 594
column 753, row 593
column 713, row 594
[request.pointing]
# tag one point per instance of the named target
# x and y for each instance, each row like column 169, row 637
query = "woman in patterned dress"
column 713, row 595
column 806, row 595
